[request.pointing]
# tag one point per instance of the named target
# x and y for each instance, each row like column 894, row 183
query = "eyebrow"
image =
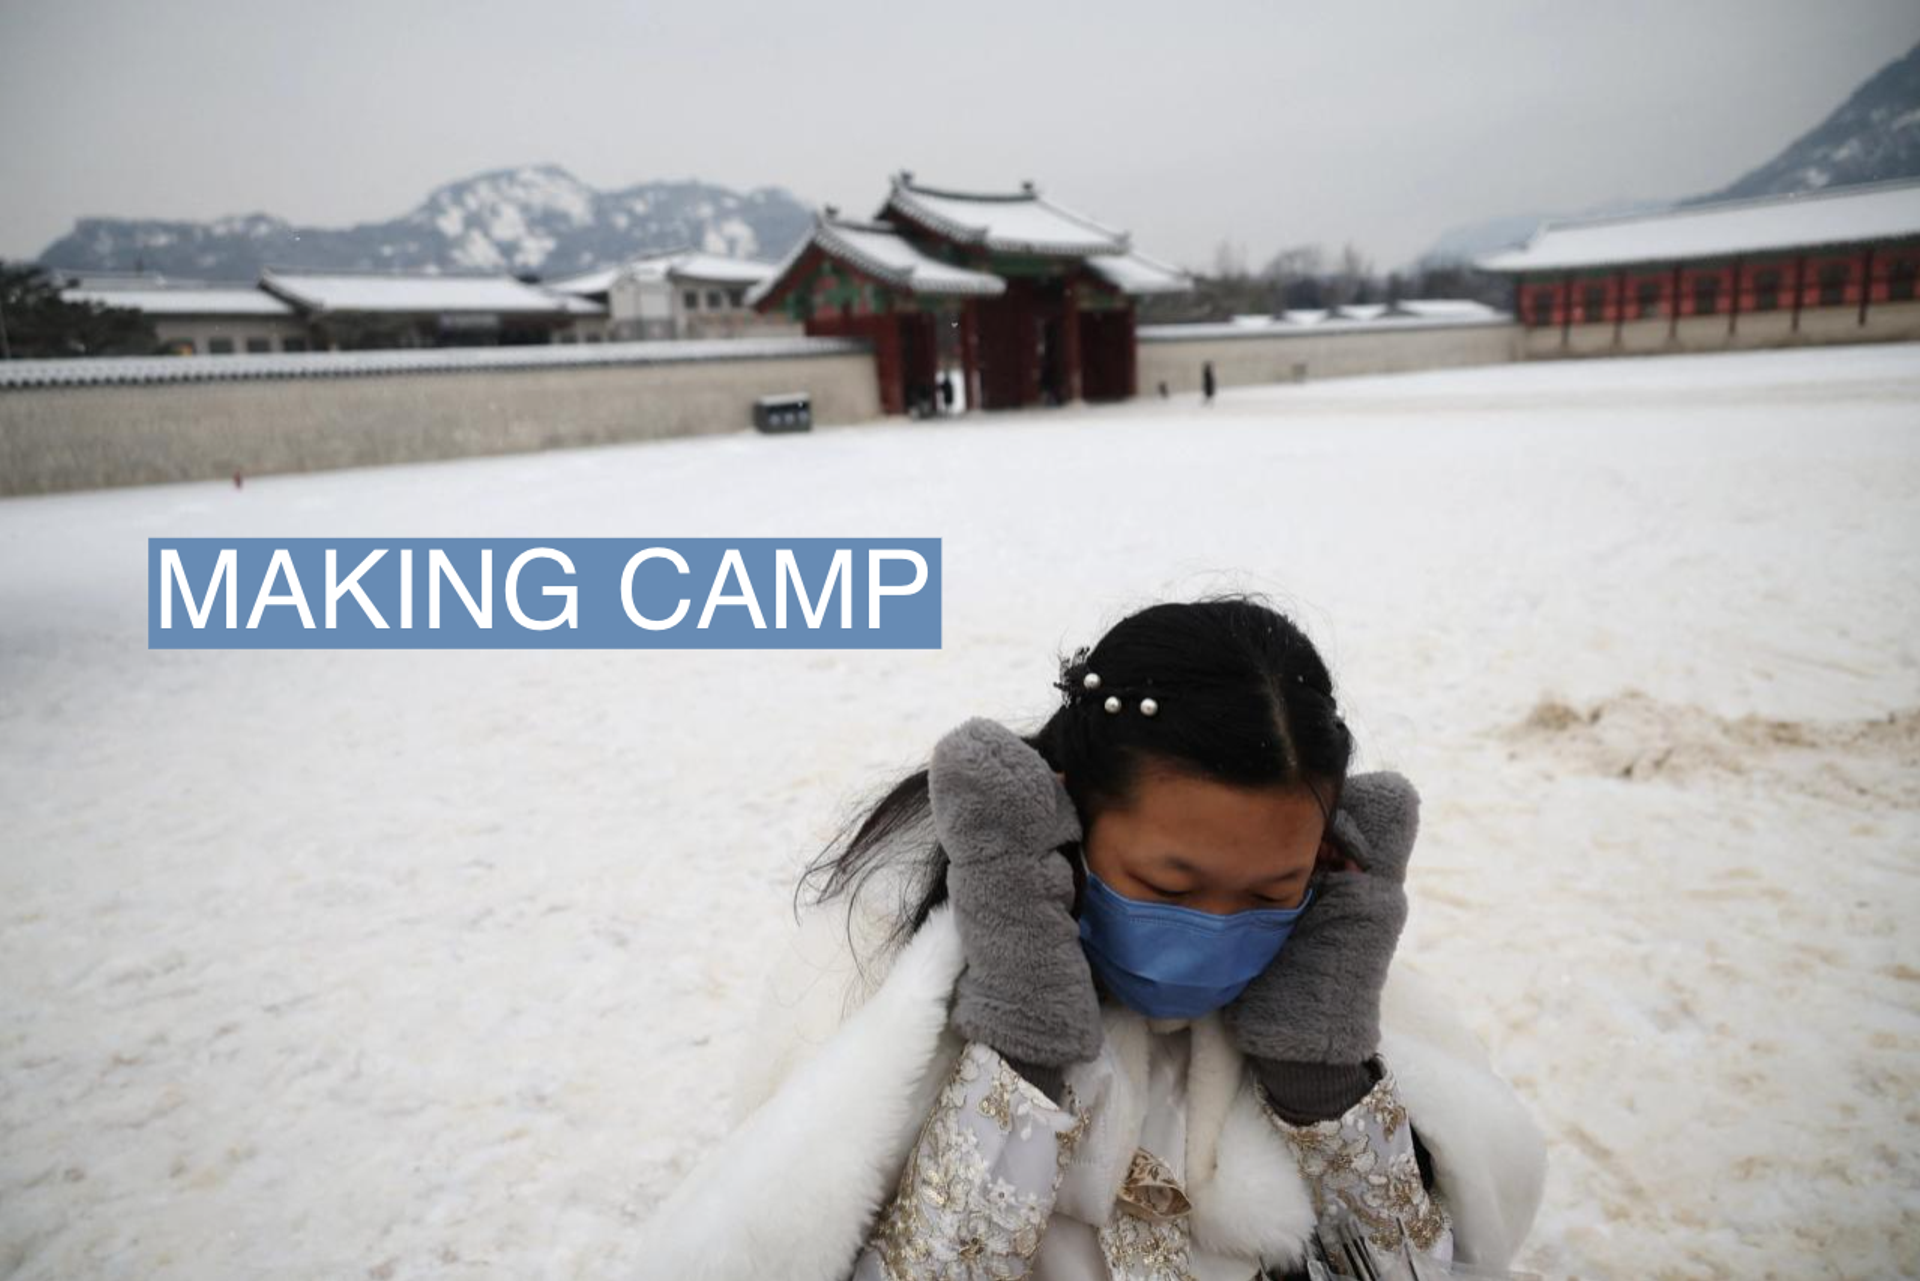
column 1179, row 864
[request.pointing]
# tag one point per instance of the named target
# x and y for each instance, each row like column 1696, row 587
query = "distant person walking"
column 1207, row 385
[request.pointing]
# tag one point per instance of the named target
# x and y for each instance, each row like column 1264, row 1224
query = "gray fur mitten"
column 1000, row 813
column 1311, row 1020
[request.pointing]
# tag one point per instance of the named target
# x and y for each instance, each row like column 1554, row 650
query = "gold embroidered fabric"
column 1363, row 1160
column 979, row 1185
column 1150, row 1190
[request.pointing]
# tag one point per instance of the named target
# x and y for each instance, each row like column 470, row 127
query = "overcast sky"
column 1265, row 124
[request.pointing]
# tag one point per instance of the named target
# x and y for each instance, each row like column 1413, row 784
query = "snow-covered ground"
column 390, row 965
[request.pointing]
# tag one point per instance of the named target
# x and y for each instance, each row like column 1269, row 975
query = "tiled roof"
column 1025, row 222
column 879, row 250
column 1135, row 273
column 409, row 294
column 1841, row 216
column 683, row 264
column 180, row 300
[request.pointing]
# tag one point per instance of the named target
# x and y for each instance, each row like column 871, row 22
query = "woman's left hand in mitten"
column 1310, row 1022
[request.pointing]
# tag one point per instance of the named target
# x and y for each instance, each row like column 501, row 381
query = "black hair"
column 1243, row 699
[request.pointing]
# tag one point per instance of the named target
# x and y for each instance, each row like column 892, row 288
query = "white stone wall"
column 1297, row 354
column 89, row 437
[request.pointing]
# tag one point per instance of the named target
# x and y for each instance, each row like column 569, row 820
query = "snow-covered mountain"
column 1873, row 136
column 536, row 219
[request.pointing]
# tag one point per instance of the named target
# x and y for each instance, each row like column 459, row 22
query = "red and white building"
column 1829, row 266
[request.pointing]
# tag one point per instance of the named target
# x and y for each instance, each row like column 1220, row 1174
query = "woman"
column 1115, row 1001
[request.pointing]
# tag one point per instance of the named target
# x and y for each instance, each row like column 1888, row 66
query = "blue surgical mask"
column 1168, row 961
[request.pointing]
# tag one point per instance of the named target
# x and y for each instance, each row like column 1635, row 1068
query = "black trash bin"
column 792, row 411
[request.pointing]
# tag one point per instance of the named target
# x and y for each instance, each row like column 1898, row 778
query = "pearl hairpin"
column 1112, row 703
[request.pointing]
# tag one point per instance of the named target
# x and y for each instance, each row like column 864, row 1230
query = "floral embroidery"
column 955, row 1213
column 1363, row 1160
column 1144, row 1250
column 1147, row 1237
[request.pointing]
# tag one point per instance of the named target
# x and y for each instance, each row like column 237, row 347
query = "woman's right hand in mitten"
column 1001, row 813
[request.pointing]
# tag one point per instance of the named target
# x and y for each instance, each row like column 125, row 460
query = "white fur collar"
column 840, row 1072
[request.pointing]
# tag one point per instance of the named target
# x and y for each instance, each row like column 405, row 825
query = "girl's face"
column 1209, row 846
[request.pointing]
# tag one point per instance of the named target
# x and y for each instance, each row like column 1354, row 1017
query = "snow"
column 426, row 964
column 1459, row 308
column 1295, row 323
column 410, row 293
column 1024, row 223
column 587, row 283
column 716, row 269
column 237, row 301
column 877, row 248
column 679, row 265
column 1135, row 273
column 1839, row 216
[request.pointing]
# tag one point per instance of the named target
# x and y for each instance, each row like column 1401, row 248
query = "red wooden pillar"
column 1799, row 287
column 1619, row 303
column 970, row 351
column 1566, row 311
column 1866, row 283
column 1133, row 354
column 1733, row 304
column 885, row 332
column 1070, row 342
column 1673, row 306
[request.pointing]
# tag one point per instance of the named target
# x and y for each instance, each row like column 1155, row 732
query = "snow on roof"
column 181, row 300
column 1291, row 332
column 581, row 286
column 409, row 293
column 881, row 250
column 1305, row 315
column 878, row 249
column 1360, row 310
column 1025, row 222
column 677, row 265
column 1463, row 308
column 84, row 370
column 576, row 306
column 1841, row 216
column 1135, row 273
column 713, row 269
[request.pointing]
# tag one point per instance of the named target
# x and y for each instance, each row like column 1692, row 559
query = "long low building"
column 198, row 318
column 1829, row 266
column 679, row 295
column 357, row 310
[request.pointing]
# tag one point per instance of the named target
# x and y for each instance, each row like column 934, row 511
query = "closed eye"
column 1277, row 902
